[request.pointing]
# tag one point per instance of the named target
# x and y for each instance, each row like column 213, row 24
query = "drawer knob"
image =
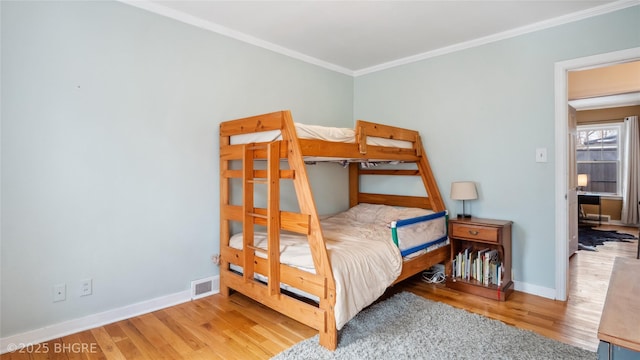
column 473, row 232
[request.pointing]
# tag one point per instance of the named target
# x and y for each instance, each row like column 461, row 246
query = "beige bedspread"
column 364, row 259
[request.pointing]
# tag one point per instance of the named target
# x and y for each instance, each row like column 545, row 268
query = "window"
column 599, row 156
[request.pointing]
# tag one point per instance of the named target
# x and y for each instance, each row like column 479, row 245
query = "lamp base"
column 464, row 216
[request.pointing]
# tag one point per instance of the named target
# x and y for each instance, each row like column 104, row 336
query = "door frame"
column 561, row 133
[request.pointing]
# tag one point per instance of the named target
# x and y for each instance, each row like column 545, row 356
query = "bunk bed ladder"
column 272, row 217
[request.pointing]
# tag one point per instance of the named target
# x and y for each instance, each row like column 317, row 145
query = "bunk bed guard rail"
column 410, row 234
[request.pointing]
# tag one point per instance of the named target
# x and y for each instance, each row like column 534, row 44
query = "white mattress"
column 363, row 257
column 317, row 132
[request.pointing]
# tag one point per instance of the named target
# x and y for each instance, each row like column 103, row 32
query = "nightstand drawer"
column 475, row 232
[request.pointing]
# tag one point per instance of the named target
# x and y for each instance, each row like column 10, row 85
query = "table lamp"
column 582, row 181
column 463, row 190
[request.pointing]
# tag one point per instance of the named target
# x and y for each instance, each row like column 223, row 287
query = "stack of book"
column 484, row 266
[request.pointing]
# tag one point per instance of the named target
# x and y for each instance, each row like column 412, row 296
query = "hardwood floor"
column 239, row 328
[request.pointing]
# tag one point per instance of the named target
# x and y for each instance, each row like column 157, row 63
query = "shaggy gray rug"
column 407, row 326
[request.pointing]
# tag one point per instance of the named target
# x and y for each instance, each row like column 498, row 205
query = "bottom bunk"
column 370, row 247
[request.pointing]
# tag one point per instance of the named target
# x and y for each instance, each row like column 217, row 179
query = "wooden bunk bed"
column 295, row 150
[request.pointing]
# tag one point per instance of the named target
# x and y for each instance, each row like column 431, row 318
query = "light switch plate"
column 541, row 155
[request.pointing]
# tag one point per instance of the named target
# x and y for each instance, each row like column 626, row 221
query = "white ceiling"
column 358, row 37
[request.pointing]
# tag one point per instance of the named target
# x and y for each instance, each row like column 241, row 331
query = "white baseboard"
column 94, row 320
column 535, row 289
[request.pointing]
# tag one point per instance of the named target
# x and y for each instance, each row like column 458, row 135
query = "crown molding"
column 222, row 30
column 569, row 18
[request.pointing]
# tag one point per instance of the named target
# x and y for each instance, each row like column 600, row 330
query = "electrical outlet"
column 86, row 287
column 59, row 292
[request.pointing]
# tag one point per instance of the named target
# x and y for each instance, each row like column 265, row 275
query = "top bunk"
column 367, row 142
column 276, row 136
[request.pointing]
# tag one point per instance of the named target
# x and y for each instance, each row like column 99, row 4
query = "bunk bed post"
column 224, row 222
column 354, row 184
column 273, row 216
column 328, row 332
column 247, row 211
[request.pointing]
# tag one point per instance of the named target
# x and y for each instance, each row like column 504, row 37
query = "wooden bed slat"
column 295, row 222
column 321, row 148
column 299, row 279
column 389, row 172
column 395, row 200
column 295, row 309
column 232, row 174
column 234, row 152
column 386, row 131
column 259, row 216
column 257, row 249
column 231, row 255
column 266, row 122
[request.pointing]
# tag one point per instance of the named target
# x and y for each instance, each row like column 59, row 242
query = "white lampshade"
column 582, row 179
column 463, row 190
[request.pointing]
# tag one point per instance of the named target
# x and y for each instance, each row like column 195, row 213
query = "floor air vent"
column 201, row 288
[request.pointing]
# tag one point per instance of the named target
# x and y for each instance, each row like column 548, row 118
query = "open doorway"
column 563, row 196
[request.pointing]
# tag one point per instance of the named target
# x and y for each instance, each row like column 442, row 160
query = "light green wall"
column 482, row 112
column 109, row 150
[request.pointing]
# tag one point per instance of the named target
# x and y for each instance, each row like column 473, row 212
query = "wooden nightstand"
column 472, row 240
